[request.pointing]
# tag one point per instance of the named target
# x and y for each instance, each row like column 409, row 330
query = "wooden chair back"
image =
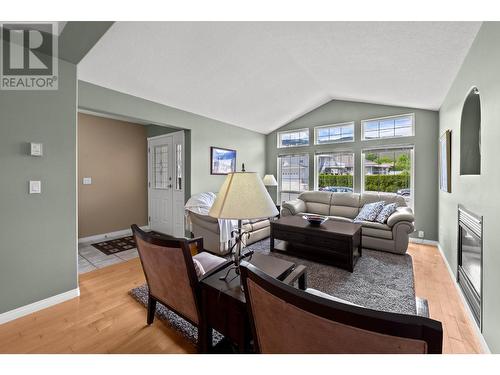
column 170, row 273
column 288, row 320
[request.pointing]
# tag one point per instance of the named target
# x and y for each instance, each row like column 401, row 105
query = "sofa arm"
column 204, row 221
column 401, row 214
column 293, row 207
column 401, row 236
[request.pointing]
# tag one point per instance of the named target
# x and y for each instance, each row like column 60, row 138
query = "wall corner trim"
column 482, row 341
column 39, row 305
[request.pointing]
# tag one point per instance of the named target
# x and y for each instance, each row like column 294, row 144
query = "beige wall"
column 114, row 154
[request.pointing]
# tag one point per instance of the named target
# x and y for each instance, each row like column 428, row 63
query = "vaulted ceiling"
column 261, row 75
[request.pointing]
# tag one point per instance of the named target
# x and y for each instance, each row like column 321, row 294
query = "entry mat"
column 118, row 245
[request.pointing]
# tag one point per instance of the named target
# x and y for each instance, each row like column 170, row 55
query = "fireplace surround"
column 470, row 260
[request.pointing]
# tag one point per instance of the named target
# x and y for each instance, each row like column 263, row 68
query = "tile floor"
column 89, row 258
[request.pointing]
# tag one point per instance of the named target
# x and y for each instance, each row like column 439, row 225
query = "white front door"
column 165, row 184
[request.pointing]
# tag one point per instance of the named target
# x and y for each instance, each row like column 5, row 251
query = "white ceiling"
column 261, row 75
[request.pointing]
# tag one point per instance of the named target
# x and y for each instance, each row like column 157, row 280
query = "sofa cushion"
column 208, row 261
column 317, row 202
column 375, row 225
column 387, row 211
column 340, row 218
column 259, row 224
column 378, row 233
column 369, row 212
column 318, row 208
column 316, row 196
column 198, row 267
column 372, row 197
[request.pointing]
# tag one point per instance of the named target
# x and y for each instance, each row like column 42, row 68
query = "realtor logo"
column 28, row 56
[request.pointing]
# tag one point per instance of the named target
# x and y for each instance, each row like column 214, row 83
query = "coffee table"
column 223, row 302
column 333, row 242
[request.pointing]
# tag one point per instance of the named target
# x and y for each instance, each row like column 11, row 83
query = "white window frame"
column 279, row 145
column 389, row 148
column 412, row 115
column 316, row 174
column 317, row 128
column 278, row 164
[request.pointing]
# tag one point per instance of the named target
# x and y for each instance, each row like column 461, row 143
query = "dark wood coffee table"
column 334, row 242
column 223, row 301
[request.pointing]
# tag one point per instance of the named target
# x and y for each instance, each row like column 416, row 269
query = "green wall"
column 156, row 130
column 478, row 193
column 204, row 132
column 38, row 232
column 425, row 142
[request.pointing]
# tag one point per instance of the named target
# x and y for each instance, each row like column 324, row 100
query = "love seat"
column 392, row 236
column 208, row 228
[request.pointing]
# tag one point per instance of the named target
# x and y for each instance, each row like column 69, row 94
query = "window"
column 178, row 166
column 335, row 172
column 293, row 175
column 389, row 170
column 160, row 167
column 293, row 138
column 334, row 133
column 388, row 127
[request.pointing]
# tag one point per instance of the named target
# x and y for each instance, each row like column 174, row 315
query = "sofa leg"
column 151, row 309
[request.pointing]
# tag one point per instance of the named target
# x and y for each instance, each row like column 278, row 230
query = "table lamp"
column 269, row 180
column 243, row 196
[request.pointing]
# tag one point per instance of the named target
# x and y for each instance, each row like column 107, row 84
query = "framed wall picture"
column 445, row 162
column 222, row 160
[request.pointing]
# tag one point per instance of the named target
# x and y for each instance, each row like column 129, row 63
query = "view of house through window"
column 335, row 172
column 389, row 170
column 293, row 174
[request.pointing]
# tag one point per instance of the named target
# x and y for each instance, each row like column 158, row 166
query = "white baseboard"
column 39, row 305
column 423, row 241
column 104, row 236
column 482, row 341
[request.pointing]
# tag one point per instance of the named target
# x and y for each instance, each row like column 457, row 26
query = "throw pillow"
column 370, row 211
column 198, row 268
column 387, row 211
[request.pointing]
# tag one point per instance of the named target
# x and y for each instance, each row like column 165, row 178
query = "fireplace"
column 470, row 259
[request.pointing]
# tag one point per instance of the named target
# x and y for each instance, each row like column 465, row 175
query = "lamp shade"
column 243, row 196
column 269, row 180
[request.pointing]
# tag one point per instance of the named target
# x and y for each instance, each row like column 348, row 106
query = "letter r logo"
column 28, row 49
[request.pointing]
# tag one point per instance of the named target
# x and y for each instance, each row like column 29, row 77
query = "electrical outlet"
column 87, row 180
column 420, row 234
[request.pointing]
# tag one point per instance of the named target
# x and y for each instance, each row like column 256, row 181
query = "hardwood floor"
column 105, row 319
column 433, row 282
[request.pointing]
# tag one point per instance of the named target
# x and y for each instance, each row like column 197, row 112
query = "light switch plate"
column 87, row 180
column 36, row 149
column 35, row 187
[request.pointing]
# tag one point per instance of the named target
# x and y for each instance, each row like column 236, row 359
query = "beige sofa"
column 393, row 236
column 208, row 228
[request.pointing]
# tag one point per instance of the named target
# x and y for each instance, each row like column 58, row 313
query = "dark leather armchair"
column 288, row 320
column 171, row 275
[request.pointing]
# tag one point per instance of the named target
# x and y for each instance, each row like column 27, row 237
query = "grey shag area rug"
column 189, row 331
column 380, row 281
